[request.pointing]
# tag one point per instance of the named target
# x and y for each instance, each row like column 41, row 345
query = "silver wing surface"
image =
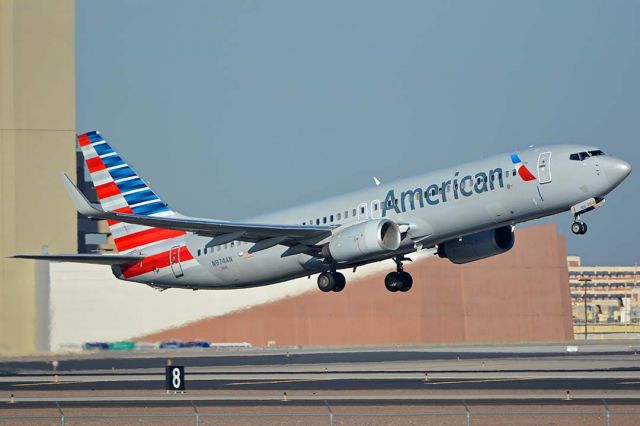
column 298, row 237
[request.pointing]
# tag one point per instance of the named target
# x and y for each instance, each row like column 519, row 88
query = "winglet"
column 82, row 205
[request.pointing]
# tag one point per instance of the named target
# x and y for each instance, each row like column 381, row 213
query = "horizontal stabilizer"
column 97, row 259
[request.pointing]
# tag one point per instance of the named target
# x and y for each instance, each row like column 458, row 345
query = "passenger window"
column 375, row 207
column 324, row 219
column 304, row 223
column 513, row 172
column 205, row 250
column 198, row 252
column 317, row 221
column 353, row 212
column 331, row 218
column 232, row 243
column 339, row 216
column 346, row 214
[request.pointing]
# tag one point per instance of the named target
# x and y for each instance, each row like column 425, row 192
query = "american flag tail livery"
column 120, row 189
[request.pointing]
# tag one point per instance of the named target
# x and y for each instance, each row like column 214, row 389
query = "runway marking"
column 45, row 383
column 275, row 382
column 480, row 381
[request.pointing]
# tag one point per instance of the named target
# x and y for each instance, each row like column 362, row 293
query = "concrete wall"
column 522, row 295
column 37, row 140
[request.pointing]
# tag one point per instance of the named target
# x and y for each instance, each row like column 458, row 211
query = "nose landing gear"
column 578, row 227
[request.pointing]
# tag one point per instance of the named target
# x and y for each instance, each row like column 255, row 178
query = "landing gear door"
column 174, row 259
column 544, row 167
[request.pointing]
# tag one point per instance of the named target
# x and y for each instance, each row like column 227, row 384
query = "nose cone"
column 616, row 171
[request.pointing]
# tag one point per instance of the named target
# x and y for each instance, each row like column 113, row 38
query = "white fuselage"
column 433, row 208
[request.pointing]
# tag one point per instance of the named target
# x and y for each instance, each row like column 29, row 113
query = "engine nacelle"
column 478, row 246
column 364, row 240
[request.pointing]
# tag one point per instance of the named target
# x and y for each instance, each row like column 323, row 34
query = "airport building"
column 612, row 295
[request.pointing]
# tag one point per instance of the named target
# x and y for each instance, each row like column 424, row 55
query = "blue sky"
column 232, row 108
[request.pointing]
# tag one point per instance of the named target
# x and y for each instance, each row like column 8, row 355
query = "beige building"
column 612, row 299
column 37, row 140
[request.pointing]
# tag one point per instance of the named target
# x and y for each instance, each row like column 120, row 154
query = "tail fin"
column 119, row 189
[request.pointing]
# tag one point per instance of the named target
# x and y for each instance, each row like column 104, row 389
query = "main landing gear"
column 331, row 281
column 399, row 280
column 579, row 227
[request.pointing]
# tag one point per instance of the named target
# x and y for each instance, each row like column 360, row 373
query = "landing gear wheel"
column 392, row 282
column 326, row 282
column 341, row 281
column 406, row 280
column 579, row 228
column 584, row 228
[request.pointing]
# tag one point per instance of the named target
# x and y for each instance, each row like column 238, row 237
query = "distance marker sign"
column 174, row 378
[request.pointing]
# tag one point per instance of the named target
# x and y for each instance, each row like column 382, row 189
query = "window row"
column 221, row 247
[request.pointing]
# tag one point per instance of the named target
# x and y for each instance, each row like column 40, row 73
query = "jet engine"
column 478, row 246
column 364, row 240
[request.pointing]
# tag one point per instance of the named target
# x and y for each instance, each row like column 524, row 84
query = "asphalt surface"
column 517, row 383
column 528, row 375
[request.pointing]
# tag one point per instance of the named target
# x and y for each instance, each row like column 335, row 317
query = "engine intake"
column 478, row 246
column 364, row 240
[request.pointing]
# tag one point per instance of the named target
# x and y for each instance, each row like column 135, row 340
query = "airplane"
column 463, row 213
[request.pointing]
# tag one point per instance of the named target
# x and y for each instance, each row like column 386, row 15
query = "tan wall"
column 37, row 140
column 522, row 295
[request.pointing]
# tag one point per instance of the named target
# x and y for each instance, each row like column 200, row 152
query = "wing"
column 98, row 259
column 298, row 237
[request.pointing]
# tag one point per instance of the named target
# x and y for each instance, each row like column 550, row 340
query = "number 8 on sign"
column 174, row 378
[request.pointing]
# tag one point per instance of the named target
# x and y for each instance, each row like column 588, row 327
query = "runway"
column 427, row 378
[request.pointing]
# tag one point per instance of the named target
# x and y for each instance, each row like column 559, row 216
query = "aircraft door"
column 544, row 170
column 362, row 212
column 174, row 260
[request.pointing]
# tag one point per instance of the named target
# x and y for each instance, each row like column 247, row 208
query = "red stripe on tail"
column 83, row 140
column 107, row 190
column 145, row 237
column 94, row 164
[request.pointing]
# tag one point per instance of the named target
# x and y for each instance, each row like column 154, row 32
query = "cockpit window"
column 581, row 156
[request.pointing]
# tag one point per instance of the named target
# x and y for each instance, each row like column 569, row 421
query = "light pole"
column 584, row 282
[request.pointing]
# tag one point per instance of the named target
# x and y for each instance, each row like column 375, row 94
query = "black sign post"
column 174, row 378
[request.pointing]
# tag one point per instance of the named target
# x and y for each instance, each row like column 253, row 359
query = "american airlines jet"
column 466, row 213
